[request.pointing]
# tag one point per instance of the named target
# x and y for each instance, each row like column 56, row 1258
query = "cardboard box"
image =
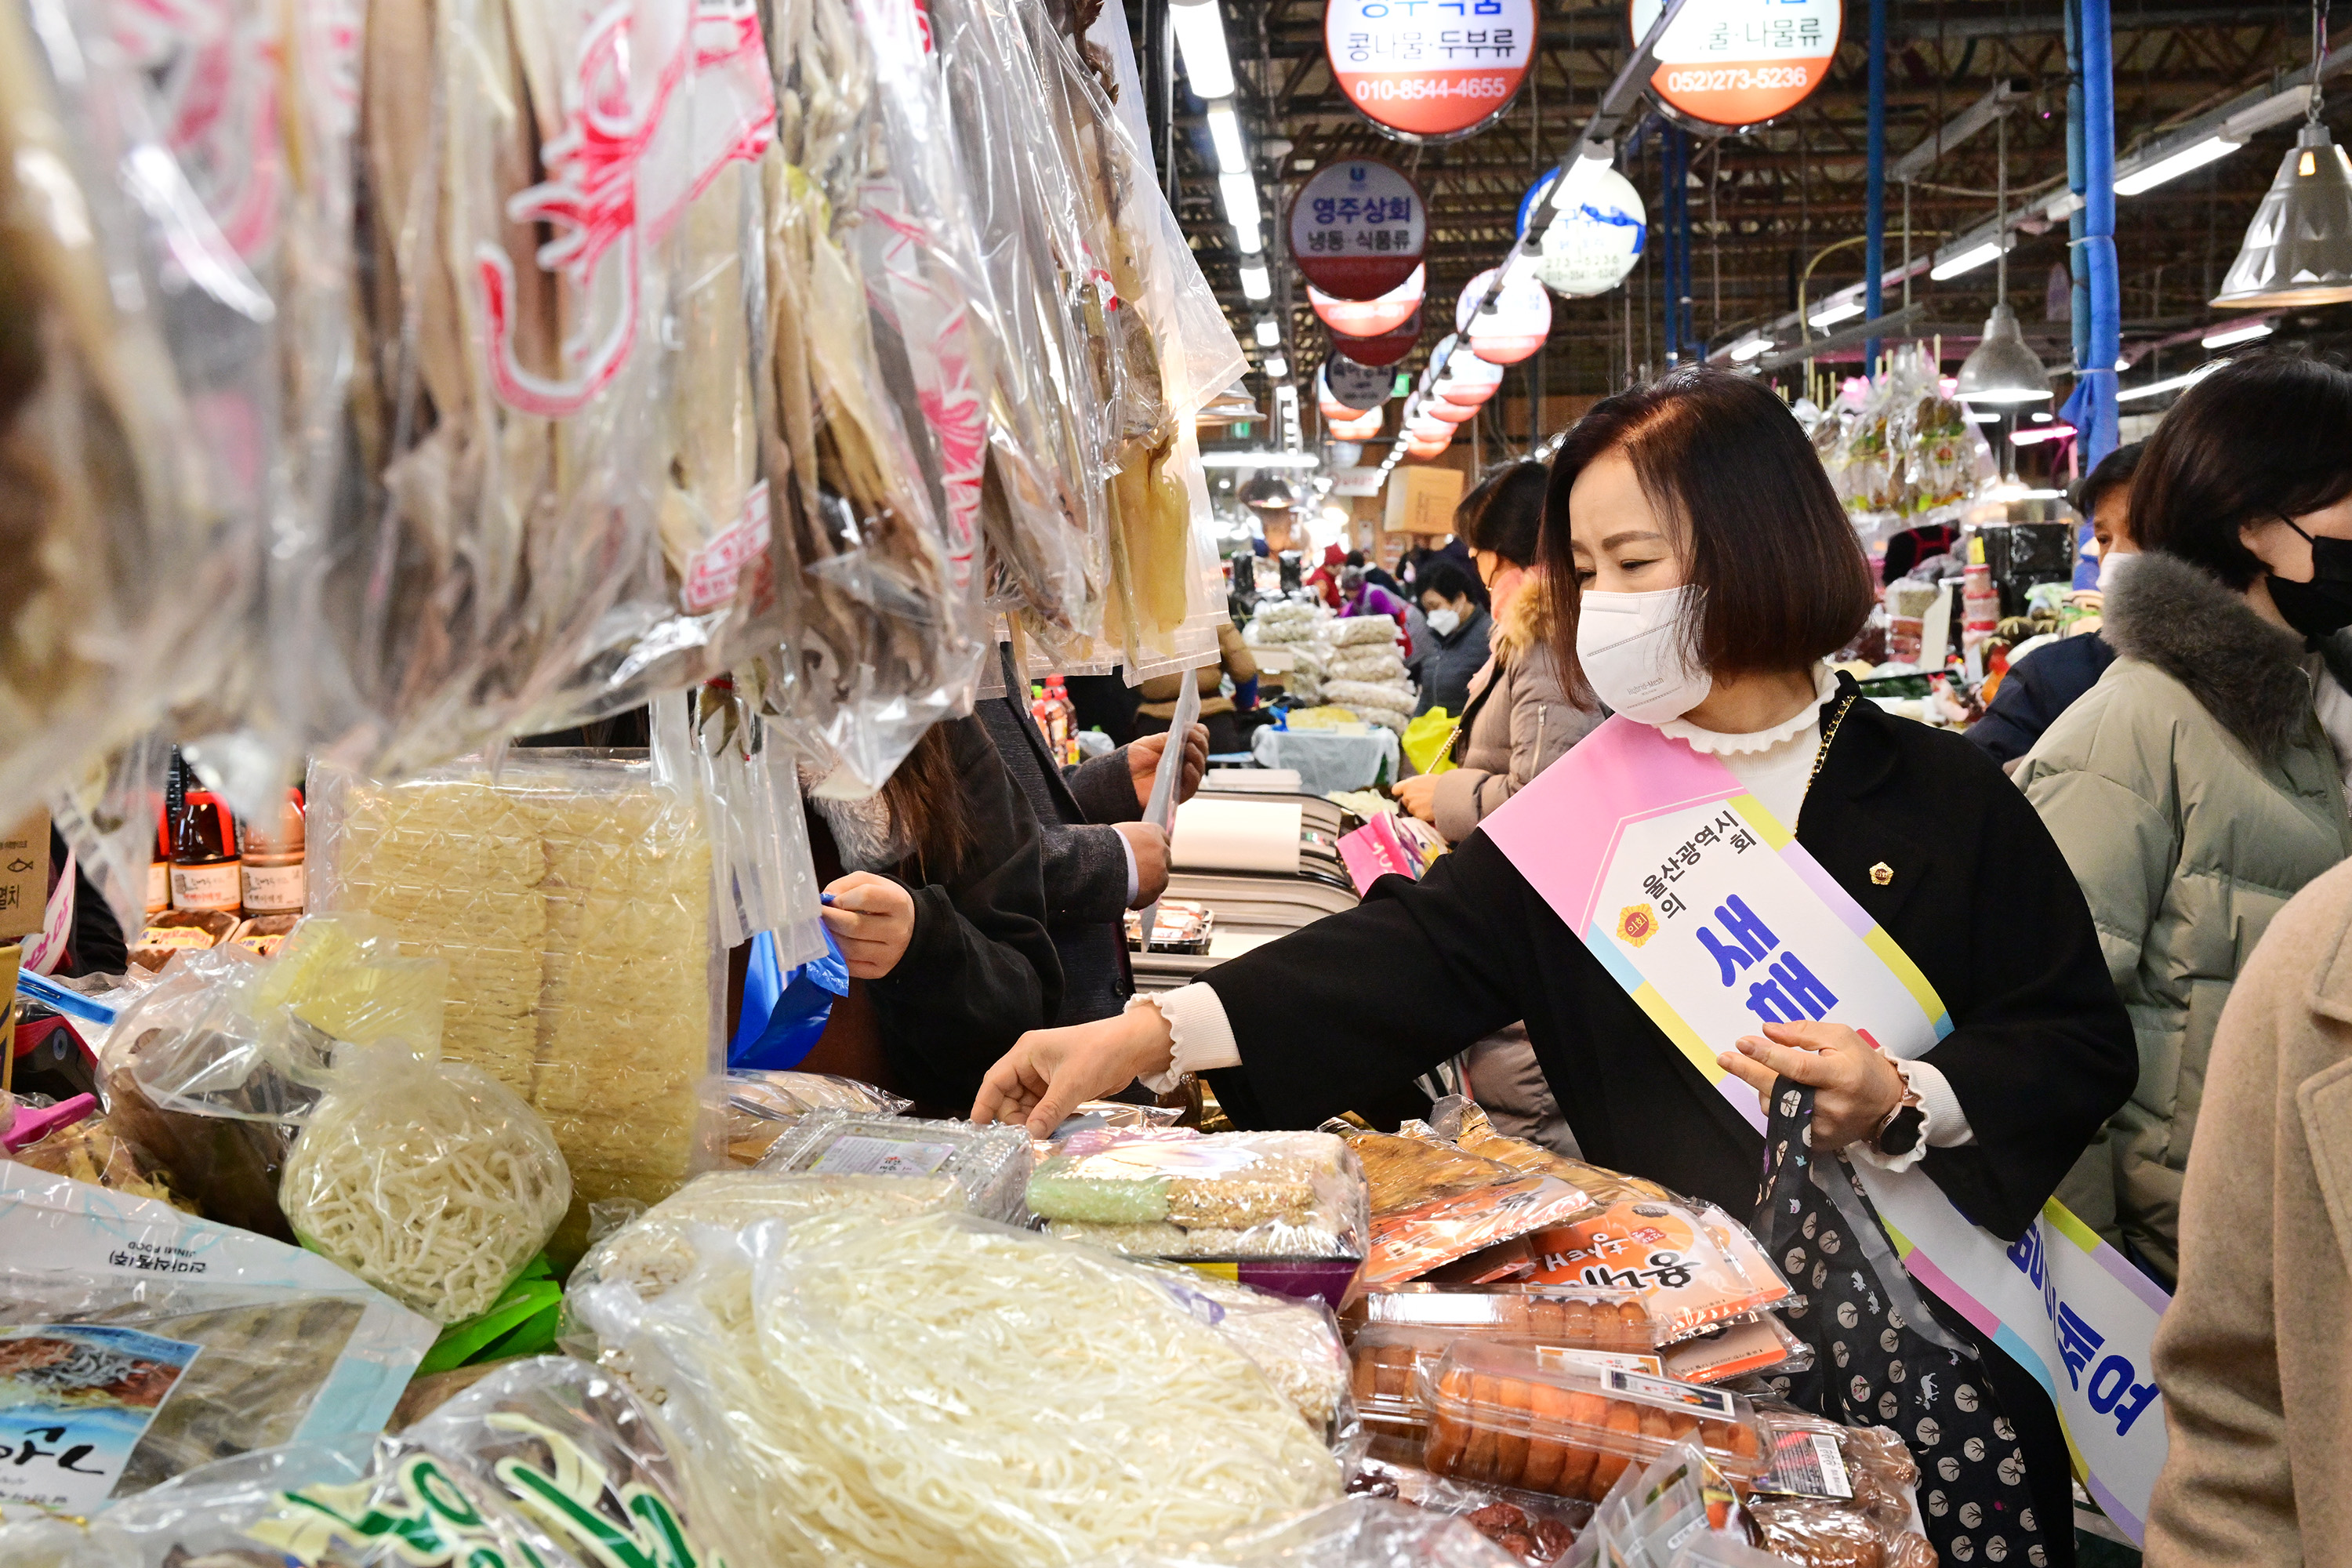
column 1421, row 498
column 24, row 876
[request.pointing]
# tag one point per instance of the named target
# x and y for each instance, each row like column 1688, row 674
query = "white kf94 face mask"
column 1630, row 645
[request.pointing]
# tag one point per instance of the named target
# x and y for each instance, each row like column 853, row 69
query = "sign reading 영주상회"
column 1429, row 71
column 1358, row 228
column 1738, row 63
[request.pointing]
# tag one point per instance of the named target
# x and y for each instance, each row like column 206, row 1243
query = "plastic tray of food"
column 1180, row 926
column 761, row 1105
column 1832, row 1495
column 989, row 1164
column 1526, row 1418
column 1537, row 1531
column 1570, row 1315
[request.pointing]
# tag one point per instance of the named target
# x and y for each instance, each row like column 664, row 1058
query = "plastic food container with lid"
column 1532, row 1418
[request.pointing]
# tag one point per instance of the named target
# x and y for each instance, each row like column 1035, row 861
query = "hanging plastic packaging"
column 885, row 642
column 120, row 555
column 1043, row 507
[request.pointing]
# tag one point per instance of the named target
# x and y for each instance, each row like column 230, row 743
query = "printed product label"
column 159, row 886
column 714, row 572
column 1807, row 1464
column 194, row 938
column 75, row 1399
column 1665, row 1391
column 1559, row 1358
column 883, row 1157
column 207, row 887
column 275, row 890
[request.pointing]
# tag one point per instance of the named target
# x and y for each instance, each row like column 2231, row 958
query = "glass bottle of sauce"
column 204, row 873
column 274, row 879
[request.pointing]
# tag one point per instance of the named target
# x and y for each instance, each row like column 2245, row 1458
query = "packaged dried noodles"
column 870, row 1396
column 989, row 1164
column 569, row 893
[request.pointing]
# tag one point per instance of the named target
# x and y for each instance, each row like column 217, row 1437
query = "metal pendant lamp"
column 1268, row 492
column 2298, row 250
column 2004, row 369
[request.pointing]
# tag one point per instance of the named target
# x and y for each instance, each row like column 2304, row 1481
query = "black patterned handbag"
column 1881, row 1358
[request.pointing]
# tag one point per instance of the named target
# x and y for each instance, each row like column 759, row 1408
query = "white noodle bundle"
column 435, row 1184
column 945, row 1392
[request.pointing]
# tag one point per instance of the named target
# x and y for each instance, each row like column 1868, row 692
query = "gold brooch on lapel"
column 1880, row 874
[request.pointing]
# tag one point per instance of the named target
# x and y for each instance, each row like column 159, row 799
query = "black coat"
column 1085, row 865
column 2040, row 1053
column 2037, row 689
column 981, row 970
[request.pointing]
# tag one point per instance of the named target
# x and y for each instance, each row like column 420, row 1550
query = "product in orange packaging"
column 1432, row 1203
column 1513, row 1417
column 1694, row 1265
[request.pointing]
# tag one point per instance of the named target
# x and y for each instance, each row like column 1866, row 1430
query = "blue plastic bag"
column 784, row 1011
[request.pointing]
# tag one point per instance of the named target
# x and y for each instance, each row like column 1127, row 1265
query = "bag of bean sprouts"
column 430, row 1180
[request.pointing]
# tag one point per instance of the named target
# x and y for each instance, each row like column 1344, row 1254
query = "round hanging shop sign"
column 1595, row 236
column 1512, row 328
column 1358, row 228
column 1466, row 378
column 1386, row 349
column 1369, row 318
column 1356, row 386
column 1363, row 429
column 1415, row 447
column 1739, row 63
column 1429, row 71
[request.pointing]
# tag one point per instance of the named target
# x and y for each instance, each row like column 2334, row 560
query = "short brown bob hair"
column 1782, row 576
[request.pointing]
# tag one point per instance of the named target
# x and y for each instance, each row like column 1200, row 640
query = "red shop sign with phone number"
column 1738, row 63
column 1429, row 71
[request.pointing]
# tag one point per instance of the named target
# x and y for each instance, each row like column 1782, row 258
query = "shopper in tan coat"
column 2255, row 1354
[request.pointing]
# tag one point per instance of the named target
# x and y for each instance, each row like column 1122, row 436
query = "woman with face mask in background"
column 2201, row 784
column 2049, row 680
column 1713, row 573
column 1455, row 647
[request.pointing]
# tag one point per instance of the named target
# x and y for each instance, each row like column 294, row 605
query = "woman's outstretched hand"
column 1854, row 1086
column 1048, row 1073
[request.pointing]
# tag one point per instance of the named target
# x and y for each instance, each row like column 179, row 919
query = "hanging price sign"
column 1357, row 387
column 1369, row 318
column 1429, row 71
column 1386, row 349
column 1739, row 63
column 1358, row 229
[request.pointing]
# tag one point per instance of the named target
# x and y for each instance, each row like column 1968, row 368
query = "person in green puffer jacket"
column 2201, row 784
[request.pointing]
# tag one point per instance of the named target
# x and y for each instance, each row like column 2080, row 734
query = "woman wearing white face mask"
column 1715, row 571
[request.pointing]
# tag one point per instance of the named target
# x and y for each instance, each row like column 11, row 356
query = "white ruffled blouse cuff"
column 1946, row 1125
column 1203, row 1036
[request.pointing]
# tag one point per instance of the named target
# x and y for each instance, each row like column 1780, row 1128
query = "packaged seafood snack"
column 1514, row 1417
column 989, row 1165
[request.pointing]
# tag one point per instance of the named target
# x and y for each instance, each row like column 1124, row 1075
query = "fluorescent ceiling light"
column 1249, row 240
column 2042, row 433
column 2037, row 495
column 1225, row 130
column 1201, row 39
column 1976, row 418
column 1269, row 333
column 1255, row 283
column 2175, row 165
column 1240, row 191
column 2039, row 417
column 1750, row 347
column 2230, row 336
column 1968, row 260
column 2169, row 383
column 1834, row 311
column 1276, row 366
column 1260, row 461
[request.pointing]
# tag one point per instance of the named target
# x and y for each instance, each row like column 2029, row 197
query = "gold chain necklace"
column 1828, row 734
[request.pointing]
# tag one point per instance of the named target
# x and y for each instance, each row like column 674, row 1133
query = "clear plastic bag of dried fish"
column 550, row 499
column 1044, row 511
column 886, row 640
column 125, row 545
column 1147, row 297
